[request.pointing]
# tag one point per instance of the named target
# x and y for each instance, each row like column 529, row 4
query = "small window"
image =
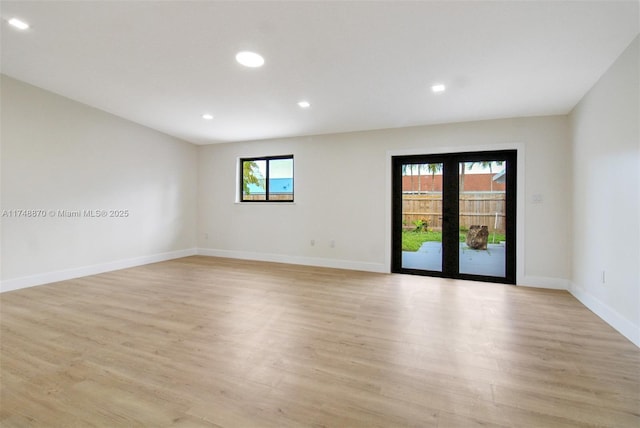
column 267, row 179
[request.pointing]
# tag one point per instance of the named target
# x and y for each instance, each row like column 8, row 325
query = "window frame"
column 267, row 193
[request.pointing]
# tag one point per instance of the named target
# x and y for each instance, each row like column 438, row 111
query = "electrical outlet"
column 313, row 242
column 205, row 236
column 332, row 243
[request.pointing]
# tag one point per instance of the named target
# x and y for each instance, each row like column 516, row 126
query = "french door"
column 454, row 215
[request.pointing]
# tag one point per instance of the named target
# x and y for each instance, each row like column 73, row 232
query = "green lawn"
column 411, row 240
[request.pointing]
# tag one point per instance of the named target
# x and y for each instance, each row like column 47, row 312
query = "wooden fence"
column 483, row 208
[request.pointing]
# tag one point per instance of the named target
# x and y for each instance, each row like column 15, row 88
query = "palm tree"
column 409, row 168
column 406, row 170
column 463, row 167
column 250, row 175
column 434, row 168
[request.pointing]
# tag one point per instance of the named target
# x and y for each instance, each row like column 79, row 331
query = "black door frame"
column 450, row 212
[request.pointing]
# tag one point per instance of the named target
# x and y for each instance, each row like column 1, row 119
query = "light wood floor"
column 215, row 342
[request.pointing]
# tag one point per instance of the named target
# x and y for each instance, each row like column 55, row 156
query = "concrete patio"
column 489, row 262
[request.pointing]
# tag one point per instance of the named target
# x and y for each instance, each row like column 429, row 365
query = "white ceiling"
column 362, row 65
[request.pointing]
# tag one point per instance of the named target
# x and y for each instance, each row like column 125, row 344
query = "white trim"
column 521, row 238
column 62, row 275
column 237, row 180
column 520, row 191
column 295, row 260
column 608, row 314
column 544, row 282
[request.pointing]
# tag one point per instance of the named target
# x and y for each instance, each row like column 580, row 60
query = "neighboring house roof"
column 276, row 185
column 500, row 177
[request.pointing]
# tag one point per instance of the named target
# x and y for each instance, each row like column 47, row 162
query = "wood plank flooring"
column 211, row 342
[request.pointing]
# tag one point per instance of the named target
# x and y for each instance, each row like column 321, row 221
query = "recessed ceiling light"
column 249, row 59
column 19, row 24
column 304, row 104
column 438, row 88
column 207, row 116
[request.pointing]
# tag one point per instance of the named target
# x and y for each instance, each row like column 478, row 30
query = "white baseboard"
column 62, row 275
column 608, row 314
column 544, row 282
column 295, row 260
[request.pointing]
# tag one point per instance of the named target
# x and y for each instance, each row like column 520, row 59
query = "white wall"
column 58, row 154
column 342, row 194
column 606, row 187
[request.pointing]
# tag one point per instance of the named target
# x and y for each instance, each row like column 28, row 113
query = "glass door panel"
column 422, row 216
column 454, row 215
column 482, row 218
